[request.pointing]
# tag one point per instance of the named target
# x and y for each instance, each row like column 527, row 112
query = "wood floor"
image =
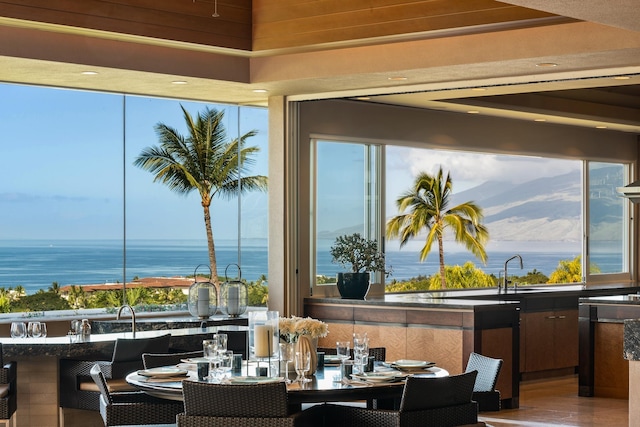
column 551, row 403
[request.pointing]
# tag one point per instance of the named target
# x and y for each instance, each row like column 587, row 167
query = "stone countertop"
column 100, row 346
column 163, row 323
column 626, row 299
column 631, row 346
column 483, row 297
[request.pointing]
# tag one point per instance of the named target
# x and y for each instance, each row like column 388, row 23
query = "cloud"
column 471, row 169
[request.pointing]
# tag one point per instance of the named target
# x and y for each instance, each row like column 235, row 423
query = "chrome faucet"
column 506, row 276
column 133, row 317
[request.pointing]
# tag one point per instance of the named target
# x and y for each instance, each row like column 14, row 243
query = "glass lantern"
column 203, row 297
column 264, row 335
column 234, row 295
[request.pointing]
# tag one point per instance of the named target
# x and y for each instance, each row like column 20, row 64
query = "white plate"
column 254, row 380
column 406, row 363
column 163, row 371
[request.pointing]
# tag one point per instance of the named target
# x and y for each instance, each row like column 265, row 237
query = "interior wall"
column 361, row 121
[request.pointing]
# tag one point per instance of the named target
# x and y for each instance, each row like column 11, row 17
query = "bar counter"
column 425, row 326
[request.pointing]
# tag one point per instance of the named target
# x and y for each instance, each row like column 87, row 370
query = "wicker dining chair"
column 79, row 391
column 8, row 389
column 241, row 405
column 154, row 360
column 133, row 408
column 484, row 391
column 426, row 401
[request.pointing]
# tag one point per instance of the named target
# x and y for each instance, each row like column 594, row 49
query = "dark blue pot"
column 353, row 285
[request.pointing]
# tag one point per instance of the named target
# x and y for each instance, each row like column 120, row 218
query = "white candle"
column 263, row 335
column 233, row 302
column 203, row 302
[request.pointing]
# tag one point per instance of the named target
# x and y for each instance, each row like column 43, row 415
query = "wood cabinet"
column 549, row 340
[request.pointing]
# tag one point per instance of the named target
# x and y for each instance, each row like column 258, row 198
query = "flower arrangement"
column 292, row 327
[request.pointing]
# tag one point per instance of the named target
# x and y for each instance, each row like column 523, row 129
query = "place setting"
column 164, row 374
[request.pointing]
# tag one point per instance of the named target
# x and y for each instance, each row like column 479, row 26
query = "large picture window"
column 78, row 211
column 532, row 206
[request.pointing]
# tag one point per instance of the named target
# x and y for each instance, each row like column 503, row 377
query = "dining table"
column 325, row 385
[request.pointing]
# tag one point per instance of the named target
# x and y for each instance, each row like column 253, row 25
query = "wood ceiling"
column 421, row 53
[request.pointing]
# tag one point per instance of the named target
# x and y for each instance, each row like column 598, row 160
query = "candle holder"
column 203, row 297
column 264, row 336
column 234, row 295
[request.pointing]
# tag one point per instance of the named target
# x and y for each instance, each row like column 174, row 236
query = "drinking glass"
column 18, row 330
column 33, row 330
column 222, row 342
column 226, row 362
column 342, row 350
column 303, row 366
column 43, row 329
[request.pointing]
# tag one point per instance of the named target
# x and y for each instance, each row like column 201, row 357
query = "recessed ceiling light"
column 363, row 98
column 478, row 89
column 547, row 64
column 473, row 111
column 178, row 82
column 260, row 91
column 397, row 79
column 621, row 78
column 539, row 120
column 601, row 127
column 89, row 73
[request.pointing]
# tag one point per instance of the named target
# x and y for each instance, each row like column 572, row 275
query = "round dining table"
column 326, row 385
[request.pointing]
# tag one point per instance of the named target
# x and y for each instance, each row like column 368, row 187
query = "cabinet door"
column 539, row 341
column 566, row 338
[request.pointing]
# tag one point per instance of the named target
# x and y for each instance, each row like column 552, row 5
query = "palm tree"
column 428, row 202
column 203, row 161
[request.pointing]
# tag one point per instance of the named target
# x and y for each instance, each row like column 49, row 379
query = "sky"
column 62, row 169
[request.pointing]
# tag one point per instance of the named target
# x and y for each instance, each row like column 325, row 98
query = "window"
column 347, row 198
column 533, row 206
column 77, row 211
column 607, row 244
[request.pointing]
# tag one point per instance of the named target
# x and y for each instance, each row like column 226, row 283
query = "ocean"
column 37, row 264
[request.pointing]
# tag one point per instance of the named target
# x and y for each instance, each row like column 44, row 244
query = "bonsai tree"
column 361, row 256
column 357, row 254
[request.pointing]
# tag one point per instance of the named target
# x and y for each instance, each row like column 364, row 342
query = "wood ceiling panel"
column 181, row 20
column 290, row 23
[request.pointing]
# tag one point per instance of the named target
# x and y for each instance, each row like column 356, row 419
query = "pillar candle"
column 233, row 302
column 263, row 334
column 203, row 301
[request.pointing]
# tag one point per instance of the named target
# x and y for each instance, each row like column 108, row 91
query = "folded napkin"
column 165, row 379
column 356, row 383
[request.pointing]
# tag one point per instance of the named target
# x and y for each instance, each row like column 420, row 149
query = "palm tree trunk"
column 212, row 248
column 443, row 281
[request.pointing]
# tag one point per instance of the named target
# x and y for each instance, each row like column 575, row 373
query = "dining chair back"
column 79, row 391
column 154, row 360
column 238, row 405
column 484, row 391
column 132, row 408
column 426, row 401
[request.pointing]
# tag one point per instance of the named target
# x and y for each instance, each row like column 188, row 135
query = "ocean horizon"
column 36, row 264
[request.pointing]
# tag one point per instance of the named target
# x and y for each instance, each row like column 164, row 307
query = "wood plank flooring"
column 555, row 402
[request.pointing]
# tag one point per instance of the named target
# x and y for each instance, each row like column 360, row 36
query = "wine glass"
column 34, row 330
column 18, row 330
column 210, row 352
column 286, row 355
column 303, row 366
column 43, row 329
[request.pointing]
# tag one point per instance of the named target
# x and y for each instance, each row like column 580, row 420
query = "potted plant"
column 361, row 256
